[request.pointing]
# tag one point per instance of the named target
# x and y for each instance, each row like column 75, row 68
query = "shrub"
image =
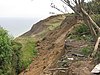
column 81, row 32
column 16, row 60
column 9, row 54
column 5, row 53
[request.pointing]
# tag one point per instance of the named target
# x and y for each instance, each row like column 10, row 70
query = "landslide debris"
column 50, row 48
column 53, row 57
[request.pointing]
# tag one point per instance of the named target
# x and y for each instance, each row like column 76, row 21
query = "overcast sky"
column 27, row 8
column 17, row 16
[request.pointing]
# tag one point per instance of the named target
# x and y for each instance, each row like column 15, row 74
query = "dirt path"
column 50, row 48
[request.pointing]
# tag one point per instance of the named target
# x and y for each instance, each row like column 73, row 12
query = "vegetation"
column 79, row 7
column 28, row 51
column 93, row 6
column 5, row 53
column 81, row 32
column 16, row 60
column 9, row 54
column 15, row 56
column 52, row 24
column 86, row 50
column 96, row 18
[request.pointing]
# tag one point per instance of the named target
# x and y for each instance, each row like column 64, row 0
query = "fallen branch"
column 96, row 47
column 58, row 69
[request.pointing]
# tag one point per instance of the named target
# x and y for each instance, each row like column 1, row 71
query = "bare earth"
column 51, row 49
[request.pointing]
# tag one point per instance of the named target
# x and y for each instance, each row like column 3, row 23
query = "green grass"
column 28, row 51
column 53, row 26
column 55, row 22
column 86, row 50
column 96, row 18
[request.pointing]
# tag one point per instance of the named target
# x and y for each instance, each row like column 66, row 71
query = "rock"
column 70, row 58
column 96, row 69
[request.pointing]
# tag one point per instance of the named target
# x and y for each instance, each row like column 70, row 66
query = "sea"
column 16, row 26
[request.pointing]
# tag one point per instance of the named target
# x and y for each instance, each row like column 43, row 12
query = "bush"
column 5, row 53
column 82, row 30
column 16, row 60
column 9, row 54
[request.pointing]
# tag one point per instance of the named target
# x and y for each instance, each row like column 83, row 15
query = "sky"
column 17, row 26
column 15, row 13
column 18, row 16
column 27, row 8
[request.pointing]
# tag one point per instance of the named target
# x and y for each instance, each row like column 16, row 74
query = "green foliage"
column 86, row 50
column 16, row 61
column 5, row 53
column 93, row 7
column 81, row 32
column 96, row 18
column 28, row 51
column 14, row 56
column 88, row 38
column 9, row 54
column 54, row 25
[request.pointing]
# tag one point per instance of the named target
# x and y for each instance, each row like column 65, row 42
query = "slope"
column 37, row 32
column 50, row 48
column 41, row 28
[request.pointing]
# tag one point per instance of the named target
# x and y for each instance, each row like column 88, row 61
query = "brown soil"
column 50, row 48
column 80, row 65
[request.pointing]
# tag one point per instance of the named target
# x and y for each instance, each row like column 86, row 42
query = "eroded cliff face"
column 51, row 47
column 43, row 26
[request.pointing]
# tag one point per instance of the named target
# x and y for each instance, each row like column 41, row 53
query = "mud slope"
column 50, row 48
column 45, row 25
